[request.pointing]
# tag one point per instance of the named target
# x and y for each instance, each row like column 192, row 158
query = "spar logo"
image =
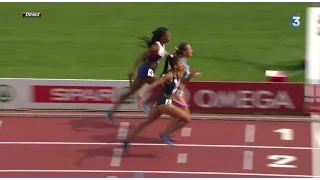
column 7, row 93
column 245, row 99
column 80, row 94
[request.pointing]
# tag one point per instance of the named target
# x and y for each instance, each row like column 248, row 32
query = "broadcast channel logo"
column 30, row 14
column 295, row 21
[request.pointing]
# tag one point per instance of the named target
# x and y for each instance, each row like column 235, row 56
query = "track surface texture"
column 90, row 147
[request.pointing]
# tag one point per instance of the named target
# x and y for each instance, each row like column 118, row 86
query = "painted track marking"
column 116, row 157
column 186, row 132
column 155, row 144
column 154, row 172
column 182, row 158
column 248, row 160
column 123, row 130
column 249, row 133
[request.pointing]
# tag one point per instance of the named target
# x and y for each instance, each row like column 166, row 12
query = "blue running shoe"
column 125, row 144
column 110, row 116
column 167, row 139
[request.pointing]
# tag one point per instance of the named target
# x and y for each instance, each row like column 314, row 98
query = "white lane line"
column 157, row 144
column 155, row 172
column 249, row 133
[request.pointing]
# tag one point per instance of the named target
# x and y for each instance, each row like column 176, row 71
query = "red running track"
column 75, row 147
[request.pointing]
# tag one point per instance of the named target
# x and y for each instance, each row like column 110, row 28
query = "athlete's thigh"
column 146, row 73
column 155, row 113
column 173, row 111
column 151, row 80
column 179, row 101
column 137, row 84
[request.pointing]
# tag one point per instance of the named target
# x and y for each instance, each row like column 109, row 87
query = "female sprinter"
column 146, row 71
column 184, row 51
column 171, row 82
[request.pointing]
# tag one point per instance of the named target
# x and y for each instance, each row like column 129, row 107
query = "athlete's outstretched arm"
column 192, row 73
column 143, row 56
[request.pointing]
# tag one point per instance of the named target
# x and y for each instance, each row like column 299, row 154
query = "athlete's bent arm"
column 192, row 73
column 143, row 56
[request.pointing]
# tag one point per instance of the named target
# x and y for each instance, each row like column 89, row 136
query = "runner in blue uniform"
column 171, row 82
column 146, row 71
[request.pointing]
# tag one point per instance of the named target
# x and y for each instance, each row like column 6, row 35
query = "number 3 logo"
column 296, row 21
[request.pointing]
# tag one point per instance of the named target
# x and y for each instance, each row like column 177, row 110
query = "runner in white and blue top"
column 186, row 68
column 148, row 62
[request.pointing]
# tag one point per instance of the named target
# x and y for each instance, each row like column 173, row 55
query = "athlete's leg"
column 137, row 84
column 178, row 124
column 146, row 103
column 154, row 115
column 181, row 118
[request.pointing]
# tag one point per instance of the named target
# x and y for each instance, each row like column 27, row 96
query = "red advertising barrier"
column 246, row 96
column 73, row 94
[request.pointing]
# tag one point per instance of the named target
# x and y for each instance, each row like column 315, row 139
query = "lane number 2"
column 285, row 134
column 281, row 161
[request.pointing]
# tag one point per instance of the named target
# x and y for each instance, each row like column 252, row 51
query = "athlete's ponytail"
column 166, row 64
column 156, row 36
column 180, row 49
column 172, row 60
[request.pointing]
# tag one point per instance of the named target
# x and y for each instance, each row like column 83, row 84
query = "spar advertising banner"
column 63, row 94
column 246, row 96
column 102, row 94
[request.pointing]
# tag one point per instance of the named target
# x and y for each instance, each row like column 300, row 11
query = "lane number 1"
column 285, row 134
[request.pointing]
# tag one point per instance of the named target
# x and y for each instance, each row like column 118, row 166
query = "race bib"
column 150, row 73
column 168, row 101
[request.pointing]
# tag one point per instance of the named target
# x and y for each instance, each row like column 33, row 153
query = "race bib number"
column 150, row 73
column 179, row 92
column 168, row 101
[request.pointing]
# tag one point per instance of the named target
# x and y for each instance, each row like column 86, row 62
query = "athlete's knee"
column 187, row 119
column 187, row 110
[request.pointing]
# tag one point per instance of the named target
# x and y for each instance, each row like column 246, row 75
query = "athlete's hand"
column 130, row 75
column 169, row 53
column 197, row 74
column 193, row 71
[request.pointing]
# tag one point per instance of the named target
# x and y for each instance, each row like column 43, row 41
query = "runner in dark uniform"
column 146, row 71
column 171, row 83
